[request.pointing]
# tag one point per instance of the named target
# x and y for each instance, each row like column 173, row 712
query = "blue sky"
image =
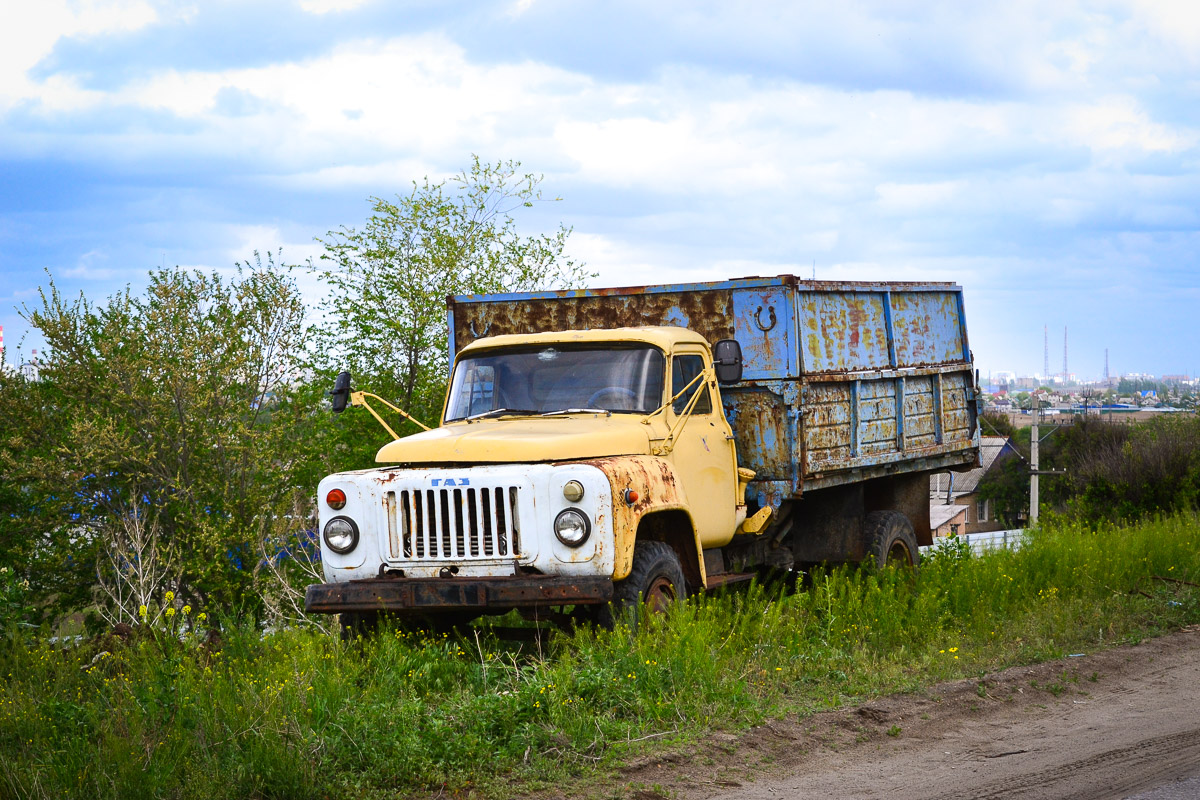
column 1045, row 156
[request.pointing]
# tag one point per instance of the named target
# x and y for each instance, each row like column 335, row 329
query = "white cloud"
column 31, row 29
column 1118, row 123
column 381, row 98
column 519, row 7
column 917, row 198
column 331, row 6
column 616, row 262
column 95, row 266
column 1175, row 22
column 675, row 155
column 371, row 110
column 240, row 242
column 398, row 173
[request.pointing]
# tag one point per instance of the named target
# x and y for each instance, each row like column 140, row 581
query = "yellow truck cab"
column 597, row 463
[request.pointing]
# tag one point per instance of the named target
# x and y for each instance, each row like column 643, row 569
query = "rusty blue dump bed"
column 841, row 382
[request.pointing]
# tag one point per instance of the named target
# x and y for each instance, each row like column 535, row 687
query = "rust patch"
column 655, row 482
column 708, row 313
column 761, row 434
column 399, row 594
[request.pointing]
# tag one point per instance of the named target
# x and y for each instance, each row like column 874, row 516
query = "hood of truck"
column 514, row 440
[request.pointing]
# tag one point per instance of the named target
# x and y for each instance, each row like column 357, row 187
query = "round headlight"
column 572, row 527
column 341, row 534
column 573, row 491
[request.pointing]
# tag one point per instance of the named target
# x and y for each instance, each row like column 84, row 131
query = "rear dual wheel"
column 890, row 539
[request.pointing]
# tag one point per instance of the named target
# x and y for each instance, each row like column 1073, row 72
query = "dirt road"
column 1112, row 724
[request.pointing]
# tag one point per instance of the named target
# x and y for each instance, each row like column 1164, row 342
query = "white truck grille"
column 453, row 524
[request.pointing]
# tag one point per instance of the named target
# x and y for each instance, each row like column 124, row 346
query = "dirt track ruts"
column 1103, row 725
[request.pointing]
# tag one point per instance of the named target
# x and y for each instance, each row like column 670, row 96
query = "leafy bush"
column 1127, row 473
column 15, row 606
column 169, row 434
column 1112, row 471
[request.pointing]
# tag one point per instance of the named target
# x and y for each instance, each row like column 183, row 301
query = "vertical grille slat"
column 444, row 529
column 514, row 521
column 501, row 522
column 478, row 522
column 393, row 525
column 453, row 524
column 456, row 508
column 406, row 516
column 432, row 527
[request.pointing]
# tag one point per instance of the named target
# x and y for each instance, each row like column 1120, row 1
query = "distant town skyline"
column 1056, row 357
column 1046, row 157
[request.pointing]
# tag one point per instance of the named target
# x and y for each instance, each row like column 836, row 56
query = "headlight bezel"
column 559, row 526
column 354, row 535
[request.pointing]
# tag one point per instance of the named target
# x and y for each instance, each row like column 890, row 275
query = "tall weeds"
column 299, row 714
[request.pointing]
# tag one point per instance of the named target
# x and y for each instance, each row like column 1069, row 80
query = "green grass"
column 297, row 714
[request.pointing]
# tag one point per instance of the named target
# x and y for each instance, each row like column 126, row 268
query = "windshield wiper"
column 604, row 411
column 497, row 412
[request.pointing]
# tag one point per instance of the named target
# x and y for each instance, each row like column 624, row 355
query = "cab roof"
column 663, row 337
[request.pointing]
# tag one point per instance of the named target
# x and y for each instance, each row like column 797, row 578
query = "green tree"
column 388, row 280
column 35, row 501
column 171, row 429
column 996, row 424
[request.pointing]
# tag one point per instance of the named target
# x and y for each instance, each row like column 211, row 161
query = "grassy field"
column 298, row 714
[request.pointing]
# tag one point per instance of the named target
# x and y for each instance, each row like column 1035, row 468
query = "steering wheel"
column 621, row 399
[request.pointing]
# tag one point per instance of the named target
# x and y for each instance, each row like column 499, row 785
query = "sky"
column 1044, row 156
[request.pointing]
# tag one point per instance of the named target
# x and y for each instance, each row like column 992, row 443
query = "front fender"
column 658, row 489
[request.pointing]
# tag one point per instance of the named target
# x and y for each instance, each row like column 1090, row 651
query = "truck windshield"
column 550, row 378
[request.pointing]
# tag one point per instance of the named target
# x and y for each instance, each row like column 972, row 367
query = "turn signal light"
column 631, row 496
column 336, row 499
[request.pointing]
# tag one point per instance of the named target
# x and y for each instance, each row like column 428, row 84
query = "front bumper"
column 398, row 594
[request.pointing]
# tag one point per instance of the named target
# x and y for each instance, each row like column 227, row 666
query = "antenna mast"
column 1045, row 352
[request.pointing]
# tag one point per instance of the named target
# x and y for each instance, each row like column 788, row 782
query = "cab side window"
column 683, row 370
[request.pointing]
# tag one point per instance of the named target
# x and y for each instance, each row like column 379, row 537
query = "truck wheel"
column 890, row 539
column 655, row 580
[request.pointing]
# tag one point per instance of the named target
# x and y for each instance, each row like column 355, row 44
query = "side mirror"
column 341, row 392
column 727, row 361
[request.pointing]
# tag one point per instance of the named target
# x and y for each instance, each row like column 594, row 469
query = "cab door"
column 704, row 457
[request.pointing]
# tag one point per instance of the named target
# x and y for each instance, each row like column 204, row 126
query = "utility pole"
column 1033, row 466
column 1034, row 471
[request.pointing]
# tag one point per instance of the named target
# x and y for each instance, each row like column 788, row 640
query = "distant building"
column 947, row 520
column 955, row 494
